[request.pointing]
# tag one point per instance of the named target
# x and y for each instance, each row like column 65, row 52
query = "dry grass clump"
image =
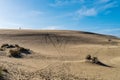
column 2, row 76
column 15, row 53
column 24, row 50
column 88, row 57
column 15, row 50
column 16, row 45
column 0, row 72
column 8, row 46
column 4, row 45
column 19, row 52
column 95, row 60
column 2, row 49
column 92, row 59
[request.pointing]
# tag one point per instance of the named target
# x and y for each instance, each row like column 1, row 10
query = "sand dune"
column 60, row 55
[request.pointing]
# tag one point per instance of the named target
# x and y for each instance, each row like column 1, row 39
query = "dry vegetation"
column 15, row 50
column 0, row 72
column 58, row 55
column 3, row 74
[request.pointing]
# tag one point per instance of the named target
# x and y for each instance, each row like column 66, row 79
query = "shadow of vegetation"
column 102, row 64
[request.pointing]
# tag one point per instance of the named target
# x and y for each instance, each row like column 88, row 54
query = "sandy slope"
column 61, row 54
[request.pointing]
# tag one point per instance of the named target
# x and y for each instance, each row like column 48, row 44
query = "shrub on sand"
column 15, row 53
column 92, row 59
column 4, row 45
column 1, row 75
column 24, row 50
column 0, row 71
column 16, row 45
column 88, row 57
column 15, row 50
column 95, row 60
column 2, row 49
column 11, row 46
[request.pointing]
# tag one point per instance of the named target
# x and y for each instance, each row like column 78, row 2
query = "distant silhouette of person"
column 19, row 28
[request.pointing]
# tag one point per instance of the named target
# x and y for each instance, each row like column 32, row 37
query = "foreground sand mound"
column 60, row 71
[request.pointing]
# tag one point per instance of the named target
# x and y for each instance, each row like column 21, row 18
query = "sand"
column 60, row 55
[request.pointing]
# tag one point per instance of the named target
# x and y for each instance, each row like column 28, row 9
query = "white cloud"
column 87, row 7
column 94, row 8
column 109, row 5
column 87, row 12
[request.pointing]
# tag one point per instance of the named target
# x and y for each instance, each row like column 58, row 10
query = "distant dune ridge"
column 60, row 55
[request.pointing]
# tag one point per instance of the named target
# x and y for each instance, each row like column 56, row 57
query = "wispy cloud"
column 88, row 7
column 95, row 8
column 65, row 2
column 87, row 12
column 109, row 5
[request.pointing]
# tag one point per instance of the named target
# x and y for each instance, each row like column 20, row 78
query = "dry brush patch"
column 15, row 53
column 15, row 50
column 3, row 73
column 0, row 73
column 95, row 60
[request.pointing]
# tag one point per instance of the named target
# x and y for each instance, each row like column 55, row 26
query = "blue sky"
column 101, row 16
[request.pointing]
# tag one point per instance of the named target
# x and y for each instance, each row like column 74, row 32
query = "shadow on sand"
column 102, row 64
